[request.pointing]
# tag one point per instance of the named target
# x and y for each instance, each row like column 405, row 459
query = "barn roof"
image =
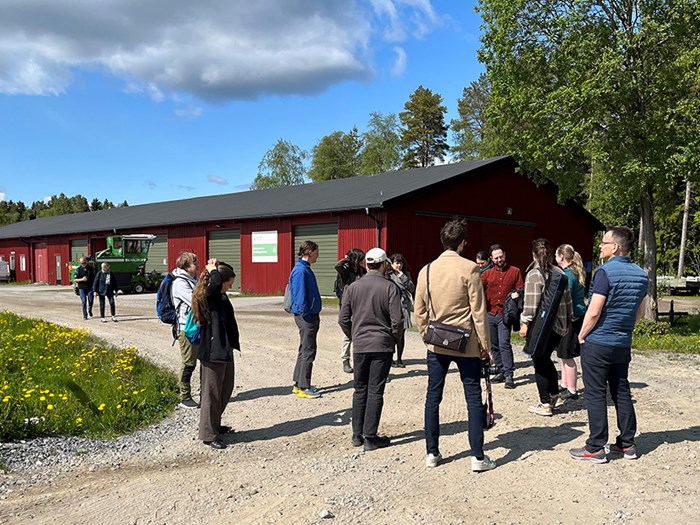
column 335, row 195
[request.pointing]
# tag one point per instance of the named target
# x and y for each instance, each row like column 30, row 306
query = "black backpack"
column 338, row 287
column 541, row 326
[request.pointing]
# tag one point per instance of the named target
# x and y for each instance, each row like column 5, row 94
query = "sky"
column 158, row 100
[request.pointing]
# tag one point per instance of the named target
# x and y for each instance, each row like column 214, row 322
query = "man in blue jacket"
column 618, row 294
column 306, row 305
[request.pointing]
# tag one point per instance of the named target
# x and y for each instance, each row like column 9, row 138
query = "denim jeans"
column 470, row 374
column 371, row 371
column 87, row 299
column 603, row 367
column 307, row 350
column 500, row 345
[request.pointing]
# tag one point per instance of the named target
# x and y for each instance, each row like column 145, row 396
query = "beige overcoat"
column 457, row 298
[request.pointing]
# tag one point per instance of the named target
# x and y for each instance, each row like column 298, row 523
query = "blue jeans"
column 470, row 374
column 87, row 298
column 603, row 367
column 371, row 371
column 307, row 350
column 500, row 345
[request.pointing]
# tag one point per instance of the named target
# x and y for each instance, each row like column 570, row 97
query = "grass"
column 55, row 381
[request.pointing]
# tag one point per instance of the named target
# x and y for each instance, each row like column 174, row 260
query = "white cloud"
column 3, row 196
column 215, row 179
column 210, row 49
column 400, row 63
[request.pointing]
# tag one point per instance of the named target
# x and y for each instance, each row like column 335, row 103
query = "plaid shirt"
column 534, row 284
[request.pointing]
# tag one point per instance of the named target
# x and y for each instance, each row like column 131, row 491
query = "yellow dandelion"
column 119, row 406
column 79, row 420
column 101, row 407
column 6, row 399
column 49, row 407
column 42, row 398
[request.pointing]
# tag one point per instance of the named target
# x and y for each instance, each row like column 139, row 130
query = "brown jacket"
column 457, row 299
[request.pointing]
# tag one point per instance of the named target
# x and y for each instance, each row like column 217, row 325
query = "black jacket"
column 220, row 334
column 512, row 308
column 100, row 285
column 85, row 271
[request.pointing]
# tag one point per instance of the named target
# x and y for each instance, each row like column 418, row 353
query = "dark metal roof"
column 329, row 196
column 334, row 195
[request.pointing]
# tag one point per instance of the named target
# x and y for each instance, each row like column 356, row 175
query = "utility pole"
column 684, row 231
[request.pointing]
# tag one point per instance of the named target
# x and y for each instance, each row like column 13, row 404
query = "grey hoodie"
column 182, row 294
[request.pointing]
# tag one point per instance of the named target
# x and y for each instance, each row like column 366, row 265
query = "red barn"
column 258, row 232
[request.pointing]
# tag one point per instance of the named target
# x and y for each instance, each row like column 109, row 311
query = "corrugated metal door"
column 78, row 249
column 225, row 245
column 326, row 236
column 158, row 255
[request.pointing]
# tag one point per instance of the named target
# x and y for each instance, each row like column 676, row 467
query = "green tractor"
column 127, row 256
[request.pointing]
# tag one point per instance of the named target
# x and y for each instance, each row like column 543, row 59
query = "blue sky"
column 169, row 99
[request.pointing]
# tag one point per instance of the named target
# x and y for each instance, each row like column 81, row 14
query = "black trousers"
column 308, row 330
column 545, row 373
column 371, row 372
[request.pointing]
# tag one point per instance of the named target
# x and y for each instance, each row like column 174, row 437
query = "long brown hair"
column 200, row 308
column 574, row 258
column 542, row 251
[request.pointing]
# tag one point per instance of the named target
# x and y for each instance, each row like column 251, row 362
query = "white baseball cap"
column 375, row 255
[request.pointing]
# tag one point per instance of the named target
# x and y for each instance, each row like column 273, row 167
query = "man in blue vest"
column 617, row 301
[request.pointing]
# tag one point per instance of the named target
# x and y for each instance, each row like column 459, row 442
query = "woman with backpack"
column 213, row 312
column 569, row 348
column 400, row 276
column 546, row 376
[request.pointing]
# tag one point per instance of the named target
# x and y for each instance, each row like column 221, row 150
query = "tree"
column 580, row 87
column 282, row 165
column 336, row 156
column 470, row 130
column 382, row 145
column 424, row 133
column 95, row 204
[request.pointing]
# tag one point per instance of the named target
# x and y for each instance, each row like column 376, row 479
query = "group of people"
column 485, row 301
column 103, row 283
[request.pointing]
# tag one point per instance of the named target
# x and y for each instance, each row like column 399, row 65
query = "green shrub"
column 58, row 381
column 649, row 328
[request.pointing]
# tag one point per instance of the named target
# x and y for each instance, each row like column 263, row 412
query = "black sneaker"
column 509, row 383
column 346, row 366
column 188, row 403
column 373, row 443
column 626, row 452
column 498, row 378
column 593, row 457
column 357, row 441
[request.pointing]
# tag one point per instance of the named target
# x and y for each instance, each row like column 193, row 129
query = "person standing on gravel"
column 349, row 270
column 84, row 279
column 105, row 286
column 306, row 306
column 184, row 282
column 213, row 311
column 449, row 290
column 617, row 301
column 371, row 317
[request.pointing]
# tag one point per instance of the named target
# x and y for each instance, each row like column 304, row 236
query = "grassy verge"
column 58, row 381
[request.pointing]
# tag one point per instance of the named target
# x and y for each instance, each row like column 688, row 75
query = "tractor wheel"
column 139, row 288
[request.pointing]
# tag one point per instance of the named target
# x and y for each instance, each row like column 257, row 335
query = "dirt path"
column 291, row 460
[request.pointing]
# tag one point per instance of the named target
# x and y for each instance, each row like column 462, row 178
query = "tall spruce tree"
column 424, row 132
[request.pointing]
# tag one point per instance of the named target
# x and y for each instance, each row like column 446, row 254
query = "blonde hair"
column 574, row 259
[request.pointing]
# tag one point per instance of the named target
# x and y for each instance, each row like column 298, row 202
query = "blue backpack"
column 166, row 310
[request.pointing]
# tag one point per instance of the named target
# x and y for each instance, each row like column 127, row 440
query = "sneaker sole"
column 598, row 461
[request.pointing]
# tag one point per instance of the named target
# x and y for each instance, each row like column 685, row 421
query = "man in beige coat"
column 449, row 291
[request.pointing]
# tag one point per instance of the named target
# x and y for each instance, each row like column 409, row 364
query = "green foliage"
column 598, row 95
column 473, row 139
column 424, row 133
column 650, row 328
column 683, row 338
column 57, row 381
column 336, row 156
column 282, row 165
column 382, row 145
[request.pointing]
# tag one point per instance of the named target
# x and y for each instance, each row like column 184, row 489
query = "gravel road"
column 290, row 459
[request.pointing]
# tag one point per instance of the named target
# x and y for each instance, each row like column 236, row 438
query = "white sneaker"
column 432, row 460
column 104, row 320
column 482, row 465
column 541, row 409
column 114, row 318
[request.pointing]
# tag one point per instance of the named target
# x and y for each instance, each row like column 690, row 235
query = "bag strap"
column 490, row 416
column 427, row 288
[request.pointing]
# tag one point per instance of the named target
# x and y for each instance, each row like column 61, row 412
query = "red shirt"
column 498, row 284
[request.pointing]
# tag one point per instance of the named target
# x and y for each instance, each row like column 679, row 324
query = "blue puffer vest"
column 628, row 286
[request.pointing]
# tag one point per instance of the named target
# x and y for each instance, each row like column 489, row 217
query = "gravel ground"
column 290, row 460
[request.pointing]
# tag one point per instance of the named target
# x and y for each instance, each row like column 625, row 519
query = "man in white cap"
column 371, row 316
